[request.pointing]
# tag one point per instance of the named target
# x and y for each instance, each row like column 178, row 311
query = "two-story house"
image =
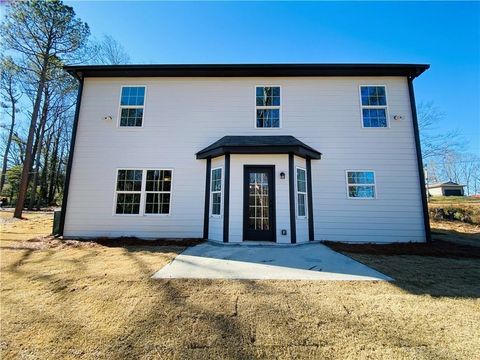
column 288, row 153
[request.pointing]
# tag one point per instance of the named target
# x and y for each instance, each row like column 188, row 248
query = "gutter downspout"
column 70, row 156
column 421, row 175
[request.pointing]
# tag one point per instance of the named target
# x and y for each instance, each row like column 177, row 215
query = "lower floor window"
column 301, row 192
column 143, row 191
column 361, row 184
column 128, row 203
column 216, row 188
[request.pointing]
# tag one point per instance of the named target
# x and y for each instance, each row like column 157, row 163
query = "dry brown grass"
column 75, row 300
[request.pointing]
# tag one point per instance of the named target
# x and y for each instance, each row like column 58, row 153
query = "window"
column 361, row 184
column 131, row 106
column 129, row 191
column 158, row 189
column 216, row 189
column 374, row 106
column 267, row 106
column 138, row 186
column 301, row 192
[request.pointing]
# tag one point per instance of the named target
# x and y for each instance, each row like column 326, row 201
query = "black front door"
column 259, row 203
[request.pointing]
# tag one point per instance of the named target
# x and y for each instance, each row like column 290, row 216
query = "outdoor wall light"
column 282, row 175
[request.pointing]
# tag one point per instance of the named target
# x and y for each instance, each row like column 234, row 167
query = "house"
column 287, row 153
column 448, row 188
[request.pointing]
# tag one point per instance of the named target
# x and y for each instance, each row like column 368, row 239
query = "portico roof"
column 279, row 144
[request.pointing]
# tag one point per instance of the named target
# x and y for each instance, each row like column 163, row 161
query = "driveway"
column 312, row 261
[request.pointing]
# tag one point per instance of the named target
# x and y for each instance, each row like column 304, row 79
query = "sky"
column 445, row 35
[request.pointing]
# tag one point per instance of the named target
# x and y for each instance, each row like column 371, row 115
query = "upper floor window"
column 132, row 103
column 216, row 189
column 361, row 184
column 374, row 106
column 301, row 192
column 267, row 106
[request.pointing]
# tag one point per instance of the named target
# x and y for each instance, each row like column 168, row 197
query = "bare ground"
column 72, row 299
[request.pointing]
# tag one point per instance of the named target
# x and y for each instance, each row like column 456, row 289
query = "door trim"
column 273, row 215
column 226, row 201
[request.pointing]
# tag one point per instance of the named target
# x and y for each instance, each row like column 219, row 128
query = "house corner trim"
column 291, row 186
column 70, row 158
column 421, row 175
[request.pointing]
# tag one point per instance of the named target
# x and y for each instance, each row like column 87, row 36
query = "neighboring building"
column 232, row 153
column 448, row 188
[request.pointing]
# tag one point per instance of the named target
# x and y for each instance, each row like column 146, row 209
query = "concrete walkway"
column 294, row 262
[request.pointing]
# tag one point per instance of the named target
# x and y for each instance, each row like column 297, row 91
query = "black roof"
column 241, row 70
column 280, row 144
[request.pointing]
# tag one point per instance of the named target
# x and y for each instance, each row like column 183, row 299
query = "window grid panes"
column 158, row 189
column 129, row 187
column 361, row 184
column 131, row 106
column 216, row 190
column 267, row 102
column 301, row 192
column 374, row 106
column 259, row 217
column 137, row 186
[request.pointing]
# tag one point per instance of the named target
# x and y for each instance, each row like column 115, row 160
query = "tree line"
column 444, row 154
column 37, row 97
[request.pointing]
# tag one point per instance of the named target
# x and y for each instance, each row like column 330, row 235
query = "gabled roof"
column 448, row 183
column 280, row 144
column 241, row 70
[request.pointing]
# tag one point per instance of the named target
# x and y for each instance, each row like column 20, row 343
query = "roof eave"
column 246, row 70
column 270, row 149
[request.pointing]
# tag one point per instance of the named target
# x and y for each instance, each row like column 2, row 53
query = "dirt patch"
column 438, row 248
column 81, row 299
column 133, row 241
column 450, row 239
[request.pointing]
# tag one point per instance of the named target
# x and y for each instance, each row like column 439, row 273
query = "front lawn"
column 84, row 300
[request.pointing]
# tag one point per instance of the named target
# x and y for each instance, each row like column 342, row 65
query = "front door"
column 259, row 203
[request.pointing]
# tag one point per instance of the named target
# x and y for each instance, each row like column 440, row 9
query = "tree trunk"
column 38, row 155
column 31, row 134
column 44, row 175
column 53, row 171
column 9, row 142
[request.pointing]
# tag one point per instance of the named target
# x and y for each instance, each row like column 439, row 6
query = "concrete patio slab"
column 294, row 262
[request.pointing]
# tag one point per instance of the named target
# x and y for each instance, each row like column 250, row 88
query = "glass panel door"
column 258, row 204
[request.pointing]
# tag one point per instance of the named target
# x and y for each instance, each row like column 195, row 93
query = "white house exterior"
column 448, row 188
column 234, row 153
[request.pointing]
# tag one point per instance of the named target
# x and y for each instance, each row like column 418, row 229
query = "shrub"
column 467, row 214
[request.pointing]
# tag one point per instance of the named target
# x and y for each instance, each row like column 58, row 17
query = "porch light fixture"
column 282, row 175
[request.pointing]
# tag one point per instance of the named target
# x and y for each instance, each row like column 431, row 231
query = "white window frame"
column 373, row 106
column 301, row 192
column 120, row 107
column 212, row 192
column 267, row 107
column 375, row 194
column 143, row 192
column 116, row 192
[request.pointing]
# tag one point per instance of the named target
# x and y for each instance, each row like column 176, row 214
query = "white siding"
column 184, row 115
column 282, row 208
column 438, row 191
